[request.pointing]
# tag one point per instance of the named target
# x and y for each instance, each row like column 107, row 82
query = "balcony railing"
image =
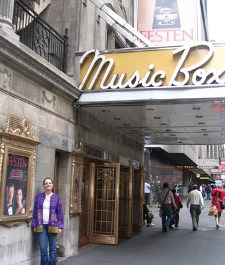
column 35, row 33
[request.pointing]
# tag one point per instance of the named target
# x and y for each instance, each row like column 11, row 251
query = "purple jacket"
column 55, row 214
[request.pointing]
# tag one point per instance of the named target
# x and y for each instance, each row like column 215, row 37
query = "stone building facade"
column 32, row 88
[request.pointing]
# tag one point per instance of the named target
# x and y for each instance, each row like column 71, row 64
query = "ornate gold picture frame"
column 76, row 184
column 17, row 161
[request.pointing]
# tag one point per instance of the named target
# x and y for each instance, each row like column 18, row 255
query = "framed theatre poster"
column 16, row 184
column 17, row 155
column 76, row 184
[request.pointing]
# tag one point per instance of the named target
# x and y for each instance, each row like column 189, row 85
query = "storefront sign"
column 192, row 65
column 96, row 152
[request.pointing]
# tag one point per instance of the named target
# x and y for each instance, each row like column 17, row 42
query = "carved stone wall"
column 30, row 87
column 5, row 77
column 33, row 88
column 93, row 131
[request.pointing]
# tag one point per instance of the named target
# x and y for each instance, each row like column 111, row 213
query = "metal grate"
column 104, row 202
column 36, row 34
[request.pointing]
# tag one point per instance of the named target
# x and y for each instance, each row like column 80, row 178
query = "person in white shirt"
column 196, row 202
column 147, row 192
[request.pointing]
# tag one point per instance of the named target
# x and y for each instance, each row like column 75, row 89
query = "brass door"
column 84, row 216
column 104, row 203
column 138, row 199
column 125, row 206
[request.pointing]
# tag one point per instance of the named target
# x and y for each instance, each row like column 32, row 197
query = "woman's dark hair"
column 19, row 188
column 45, row 180
column 11, row 184
column 165, row 185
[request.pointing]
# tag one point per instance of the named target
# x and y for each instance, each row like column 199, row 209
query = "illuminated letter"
column 103, row 62
column 185, row 71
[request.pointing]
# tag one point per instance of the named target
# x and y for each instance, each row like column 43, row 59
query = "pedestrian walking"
column 196, row 202
column 202, row 189
column 176, row 211
column 166, row 201
column 147, row 192
column 47, row 222
column 217, row 201
column 208, row 191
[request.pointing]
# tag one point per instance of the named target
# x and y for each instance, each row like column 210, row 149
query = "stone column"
column 6, row 17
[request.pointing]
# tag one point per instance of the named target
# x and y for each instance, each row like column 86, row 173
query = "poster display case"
column 17, row 162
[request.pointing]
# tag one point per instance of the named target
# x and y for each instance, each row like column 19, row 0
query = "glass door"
column 104, row 203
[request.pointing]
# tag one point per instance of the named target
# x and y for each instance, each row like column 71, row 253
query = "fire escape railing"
column 39, row 36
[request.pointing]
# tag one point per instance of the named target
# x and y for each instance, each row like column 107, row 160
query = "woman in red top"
column 176, row 211
column 217, row 201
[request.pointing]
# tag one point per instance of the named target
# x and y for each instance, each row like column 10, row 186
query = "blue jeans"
column 147, row 195
column 167, row 215
column 47, row 244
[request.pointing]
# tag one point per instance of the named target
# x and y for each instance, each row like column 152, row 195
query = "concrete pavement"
column 181, row 246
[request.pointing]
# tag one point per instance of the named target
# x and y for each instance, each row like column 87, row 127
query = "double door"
column 108, row 203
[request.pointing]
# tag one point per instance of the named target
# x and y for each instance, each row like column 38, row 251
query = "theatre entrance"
column 111, row 204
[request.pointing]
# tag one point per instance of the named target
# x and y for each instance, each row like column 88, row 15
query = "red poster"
column 168, row 22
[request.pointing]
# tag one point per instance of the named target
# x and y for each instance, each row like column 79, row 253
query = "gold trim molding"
column 20, row 127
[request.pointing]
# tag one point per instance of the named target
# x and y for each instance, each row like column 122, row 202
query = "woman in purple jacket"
column 47, row 222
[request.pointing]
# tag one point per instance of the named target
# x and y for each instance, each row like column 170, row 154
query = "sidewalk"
column 178, row 246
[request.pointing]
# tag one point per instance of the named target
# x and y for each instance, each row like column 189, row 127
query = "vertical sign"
column 168, row 22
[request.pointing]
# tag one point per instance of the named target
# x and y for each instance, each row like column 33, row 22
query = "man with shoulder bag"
column 166, row 201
